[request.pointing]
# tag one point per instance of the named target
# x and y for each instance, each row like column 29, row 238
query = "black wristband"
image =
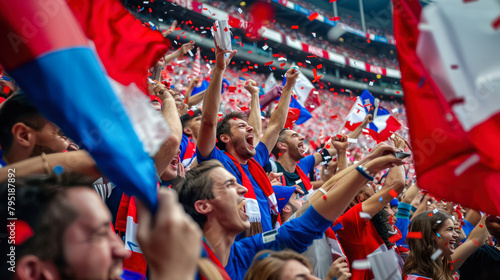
column 325, row 155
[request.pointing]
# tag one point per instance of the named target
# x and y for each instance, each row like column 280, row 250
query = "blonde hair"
column 268, row 265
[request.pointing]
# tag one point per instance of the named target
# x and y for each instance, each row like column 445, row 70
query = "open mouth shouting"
column 302, row 149
column 174, row 163
column 242, row 209
column 249, row 140
column 451, row 245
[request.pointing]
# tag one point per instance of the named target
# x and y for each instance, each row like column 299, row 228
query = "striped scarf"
column 252, row 206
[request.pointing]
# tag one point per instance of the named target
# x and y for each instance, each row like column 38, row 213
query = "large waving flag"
column 268, row 84
column 49, row 56
column 303, row 88
column 450, row 77
column 120, row 41
column 297, row 114
column 383, row 125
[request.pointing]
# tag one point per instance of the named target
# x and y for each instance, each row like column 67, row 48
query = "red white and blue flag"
column 47, row 53
column 383, row 125
column 450, row 78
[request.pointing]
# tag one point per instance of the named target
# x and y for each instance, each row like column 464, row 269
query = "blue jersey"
column 297, row 234
column 262, row 158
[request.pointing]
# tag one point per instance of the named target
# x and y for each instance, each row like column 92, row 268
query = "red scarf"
column 303, row 177
column 216, row 261
column 259, row 175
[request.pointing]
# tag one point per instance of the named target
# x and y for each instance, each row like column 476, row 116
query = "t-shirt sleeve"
column 467, row 227
column 352, row 223
column 216, row 154
column 296, row 234
column 183, row 146
column 262, row 155
column 307, row 164
column 403, row 221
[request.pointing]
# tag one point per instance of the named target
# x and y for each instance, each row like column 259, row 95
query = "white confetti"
column 190, row 53
column 395, row 110
column 308, row 61
column 314, row 34
column 438, row 221
column 180, row 61
column 208, row 66
column 352, row 140
column 282, row 59
column 436, row 254
column 203, row 32
column 361, row 264
column 435, row 210
column 365, row 215
column 370, row 83
column 265, row 47
column 160, row 20
column 240, row 10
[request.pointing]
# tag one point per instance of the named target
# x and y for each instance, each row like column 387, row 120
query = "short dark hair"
column 196, row 185
column 281, row 139
column 186, row 118
column 224, row 127
column 14, row 110
column 41, row 202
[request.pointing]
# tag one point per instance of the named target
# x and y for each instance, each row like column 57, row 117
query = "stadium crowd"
column 374, row 58
column 240, row 196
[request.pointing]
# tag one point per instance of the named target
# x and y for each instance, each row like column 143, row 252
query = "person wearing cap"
column 190, row 130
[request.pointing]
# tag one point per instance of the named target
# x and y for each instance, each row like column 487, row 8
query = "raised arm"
column 190, row 88
column 179, row 52
column 472, row 216
column 76, row 161
column 278, row 118
column 337, row 179
column 340, row 144
column 338, row 198
column 476, row 238
column 254, row 119
column 355, row 134
column 318, row 158
column 170, row 147
column 208, row 128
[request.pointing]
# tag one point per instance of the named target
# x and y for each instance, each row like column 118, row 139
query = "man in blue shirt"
column 236, row 148
column 216, row 201
column 289, row 153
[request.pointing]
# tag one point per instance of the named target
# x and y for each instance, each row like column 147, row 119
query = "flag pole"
column 350, row 111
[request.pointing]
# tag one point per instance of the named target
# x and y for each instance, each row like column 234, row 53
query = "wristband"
column 364, row 172
column 325, row 156
column 46, row 164
column 322, row 190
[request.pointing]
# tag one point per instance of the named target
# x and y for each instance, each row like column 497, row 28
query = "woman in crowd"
column 285, row 265
column 434, row 256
